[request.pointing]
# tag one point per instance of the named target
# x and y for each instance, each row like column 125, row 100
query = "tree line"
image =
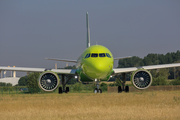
column 5, row 84
column 154, row 59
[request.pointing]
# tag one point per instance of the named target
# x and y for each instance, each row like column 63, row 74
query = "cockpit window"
column 87, row 55
column 94, row 55
column 107, row 54
column 102, row 55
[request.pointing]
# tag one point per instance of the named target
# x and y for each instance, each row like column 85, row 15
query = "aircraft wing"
column 64, row 60
column 131, row 69
column 24, row 69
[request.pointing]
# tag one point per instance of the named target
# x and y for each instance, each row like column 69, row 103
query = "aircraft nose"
column 99, row 70
column 100, row 67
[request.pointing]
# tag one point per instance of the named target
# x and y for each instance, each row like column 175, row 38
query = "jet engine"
column 141, row 79
column 48, row 81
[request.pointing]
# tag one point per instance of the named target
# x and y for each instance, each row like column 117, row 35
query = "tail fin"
column 88, row 31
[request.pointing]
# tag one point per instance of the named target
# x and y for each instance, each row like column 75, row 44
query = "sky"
column 31, row 30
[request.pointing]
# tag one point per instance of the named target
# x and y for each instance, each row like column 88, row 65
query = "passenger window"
column 102, row 55
column 94, row 55
column 87, row 55
column 107, row 54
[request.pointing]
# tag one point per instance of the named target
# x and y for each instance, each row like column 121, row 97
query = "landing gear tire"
column 119, row 89
column 126, row 89
column 67, row 89
column 96, row 90
column 100, row 91
column 60, row 90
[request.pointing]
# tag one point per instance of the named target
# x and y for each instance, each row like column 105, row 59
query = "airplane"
column 94, row 64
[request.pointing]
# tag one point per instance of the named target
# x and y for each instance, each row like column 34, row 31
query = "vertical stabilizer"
column 88, row 31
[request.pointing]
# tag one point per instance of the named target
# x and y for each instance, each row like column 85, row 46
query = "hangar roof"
column 11, row 80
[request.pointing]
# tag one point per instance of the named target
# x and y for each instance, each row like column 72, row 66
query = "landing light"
column 75, row 77
column 111, row 76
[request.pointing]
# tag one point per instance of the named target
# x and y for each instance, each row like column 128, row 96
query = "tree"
column 70, row 67
column 32, row 83
column 147, row 61
column 177, row 70
column 159, row 81
column 8, row 84
column 2, row 84
column 163, row 73
column 160, row 77
column 23, row 81
column 130, row 62
column 153, row 59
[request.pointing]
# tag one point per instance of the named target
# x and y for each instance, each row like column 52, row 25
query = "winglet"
column 88, row 31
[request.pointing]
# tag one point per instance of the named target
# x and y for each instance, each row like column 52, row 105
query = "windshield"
column 102, row 55
column 94, row 55
column 107, row 54
column 87, row 55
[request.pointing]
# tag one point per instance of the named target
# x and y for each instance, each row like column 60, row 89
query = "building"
column 12, row 80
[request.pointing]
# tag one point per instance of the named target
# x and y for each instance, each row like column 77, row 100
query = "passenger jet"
column 94, row 64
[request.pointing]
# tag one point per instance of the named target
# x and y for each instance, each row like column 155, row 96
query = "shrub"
column 103, row 86
column 23, row 81
column 77, row 87
column 175, row 82
column 32, row 83
column 159, row 81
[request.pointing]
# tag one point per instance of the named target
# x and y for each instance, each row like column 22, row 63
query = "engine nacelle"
column 48, row 81
column 141, row 79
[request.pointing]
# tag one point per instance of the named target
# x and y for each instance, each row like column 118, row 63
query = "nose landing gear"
column 97, row 90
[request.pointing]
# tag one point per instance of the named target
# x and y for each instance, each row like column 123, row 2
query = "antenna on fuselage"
column 88, row 31
column 96, row 43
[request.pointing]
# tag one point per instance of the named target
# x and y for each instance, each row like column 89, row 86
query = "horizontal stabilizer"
column 122, row 58
column 64, row 60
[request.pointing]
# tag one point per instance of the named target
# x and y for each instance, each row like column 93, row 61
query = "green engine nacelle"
column 48, row 81
column 141, row 79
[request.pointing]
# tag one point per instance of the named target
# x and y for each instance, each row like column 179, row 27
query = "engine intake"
column 48, row 81
column 141, row 79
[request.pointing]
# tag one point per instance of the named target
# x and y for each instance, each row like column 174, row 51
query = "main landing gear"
column 125, row 90
column 123, row 81
column 61, row 90
column 97, row 90
column 64, row 82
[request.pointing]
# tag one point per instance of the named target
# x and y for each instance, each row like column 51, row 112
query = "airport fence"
column 84, row 89
column 151, row 88
column 25, row 90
